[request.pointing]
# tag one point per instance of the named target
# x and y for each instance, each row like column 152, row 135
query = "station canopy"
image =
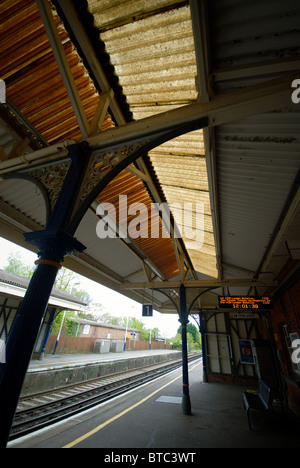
column 94, row 70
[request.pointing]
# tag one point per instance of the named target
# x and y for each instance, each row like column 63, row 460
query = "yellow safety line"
column 109, row 421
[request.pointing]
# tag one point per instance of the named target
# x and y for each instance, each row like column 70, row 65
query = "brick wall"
column 101, row 332
column 70, row 345
column 73, row 345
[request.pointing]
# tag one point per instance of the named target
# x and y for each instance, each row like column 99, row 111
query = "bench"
column 260, row 402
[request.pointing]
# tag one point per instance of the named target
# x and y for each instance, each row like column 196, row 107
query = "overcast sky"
column 114, row 303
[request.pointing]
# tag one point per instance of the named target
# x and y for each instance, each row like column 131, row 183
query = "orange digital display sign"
column 245, row 302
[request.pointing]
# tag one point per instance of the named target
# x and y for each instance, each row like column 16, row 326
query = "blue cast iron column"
column 53, row 244
column 183, row 318
column 203, row 341
column 24, row 333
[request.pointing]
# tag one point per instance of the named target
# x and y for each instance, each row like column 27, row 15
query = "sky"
column 112, row 302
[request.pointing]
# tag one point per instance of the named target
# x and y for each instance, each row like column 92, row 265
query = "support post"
column 183, row 318
column 203, row 341
column 53, row 245
column 25, row 330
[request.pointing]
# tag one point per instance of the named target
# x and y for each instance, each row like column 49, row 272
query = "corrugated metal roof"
column 36, row 88
column 159, row 250
column 26, row 198
column 16, row 280
column 112, row 253
column 250, row 32
column 148, row 52
column 155, row 60
column 258, row 159
column 32, row 78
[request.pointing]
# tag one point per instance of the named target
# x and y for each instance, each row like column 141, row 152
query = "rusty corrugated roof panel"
column 32, row 78
column 36, row 88
column 159, row 250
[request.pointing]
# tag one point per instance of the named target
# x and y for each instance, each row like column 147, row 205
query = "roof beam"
column 100, row 113
column 201, row 39
column 84, row 43
column 225, row 108
column 200, row 20
column 3, row 155
column 287, row 216
column 256, row 69
column 63, row 65
column 211, row 166
column 89, row 54
column 181, row 256
column 197, row 284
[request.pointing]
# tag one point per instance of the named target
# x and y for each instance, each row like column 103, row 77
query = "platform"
column 66, row 360
column 150, row 418
column 60, row 370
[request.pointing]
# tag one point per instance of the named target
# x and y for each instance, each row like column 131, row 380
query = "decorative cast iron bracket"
column 98, row 167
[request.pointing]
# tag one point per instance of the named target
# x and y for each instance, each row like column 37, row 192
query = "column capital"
column 54, row 246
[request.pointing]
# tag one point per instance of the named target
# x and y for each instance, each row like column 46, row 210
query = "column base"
column 186, row 405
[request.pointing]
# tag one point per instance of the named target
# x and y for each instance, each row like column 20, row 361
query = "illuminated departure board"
column 245, row 302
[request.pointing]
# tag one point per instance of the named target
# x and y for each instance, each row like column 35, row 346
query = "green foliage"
column 66, row 281
column 154, row 334
column 135, row 323
column 176, row 342
column 17, row 267
column 109, row 319
column 193, row 336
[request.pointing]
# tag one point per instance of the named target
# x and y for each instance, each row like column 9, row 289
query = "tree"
column 177, row 342
column 135, row 323
column 66, row 281
column 192, row 330
column 17, row 267
column 154, row 334
column 110, row 319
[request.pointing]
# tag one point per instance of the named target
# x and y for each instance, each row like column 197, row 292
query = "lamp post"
column 62, row 322
column 59, row 333
column 125, row 339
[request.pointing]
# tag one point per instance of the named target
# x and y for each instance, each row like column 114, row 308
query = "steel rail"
column 39, row 417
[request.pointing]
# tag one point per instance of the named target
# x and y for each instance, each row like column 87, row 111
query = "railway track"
column 41, row 410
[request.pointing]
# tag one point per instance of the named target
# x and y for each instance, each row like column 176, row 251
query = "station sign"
column 147, row 310
column 245, row 302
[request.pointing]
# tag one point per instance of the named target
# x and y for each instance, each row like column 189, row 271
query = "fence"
column 73, row 345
